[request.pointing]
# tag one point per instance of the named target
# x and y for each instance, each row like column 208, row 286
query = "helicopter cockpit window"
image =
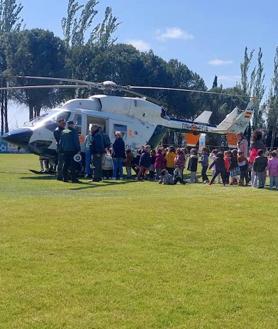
column 48, row 118
column 63, row 115
column 121, row 128
column 77, row 119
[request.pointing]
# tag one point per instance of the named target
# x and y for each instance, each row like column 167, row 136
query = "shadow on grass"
column 41, row 177
column 104, row 183
column 82, row 185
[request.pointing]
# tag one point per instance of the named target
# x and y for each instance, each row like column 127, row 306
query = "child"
column 213, row 156
column 234, row 169
column 186, row 155
column 166, row 178
column 227, row 161
column 179, row 166
column 144, row 163
column 170, row 160
column 152, row 169
column 128, row 163
column 272, row 168
column 219, row 168
column 259, row 167
column 192, row 166
column 204, row 163
column 160, row 162
column 243, row 167
column 44, row 163
column 107, row 165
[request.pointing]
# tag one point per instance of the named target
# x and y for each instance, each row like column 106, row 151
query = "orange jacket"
column 170, row 159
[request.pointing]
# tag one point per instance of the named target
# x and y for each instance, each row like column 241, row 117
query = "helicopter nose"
column 20, row 137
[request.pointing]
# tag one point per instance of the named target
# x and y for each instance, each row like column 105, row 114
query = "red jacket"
column 227, row 163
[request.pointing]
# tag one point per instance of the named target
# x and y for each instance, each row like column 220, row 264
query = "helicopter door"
column 98, row 121
column 78, row 120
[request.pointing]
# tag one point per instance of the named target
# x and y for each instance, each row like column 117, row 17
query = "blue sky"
column 208, row 36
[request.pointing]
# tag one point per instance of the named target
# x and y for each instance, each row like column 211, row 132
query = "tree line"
column 90, row 51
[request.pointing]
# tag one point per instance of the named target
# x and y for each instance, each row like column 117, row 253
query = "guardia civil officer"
column 70, row 146
column 60, row 158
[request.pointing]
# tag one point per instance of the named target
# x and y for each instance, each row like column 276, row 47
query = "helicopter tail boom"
column 236, row 121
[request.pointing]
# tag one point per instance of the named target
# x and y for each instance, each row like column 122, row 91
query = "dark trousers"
column 69, row 167
column 97, row 162
column 107, row 174
column 142, row 172
column 60, row 165
column 227, row 177
column 244, row 175
column 204, row 173
column 223, row 176
column 170, row 170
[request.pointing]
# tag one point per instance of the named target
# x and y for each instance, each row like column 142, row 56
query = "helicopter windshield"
column 50, row 117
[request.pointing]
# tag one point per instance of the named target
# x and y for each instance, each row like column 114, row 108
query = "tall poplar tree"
column 258, row 90
column 272, row 108
column 244, row 68
column 10, row 20
column 78, row 23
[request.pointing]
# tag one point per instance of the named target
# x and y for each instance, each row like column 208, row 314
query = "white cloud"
column 175, row 33
column 229, row 78
column 220, row 62
column 141, row 45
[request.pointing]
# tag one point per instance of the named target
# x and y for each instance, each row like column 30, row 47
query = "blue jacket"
column 204, row 160
column 219, row 164
column 69, row 141
column 119, row 148
column 193, row 163
column 145, row 160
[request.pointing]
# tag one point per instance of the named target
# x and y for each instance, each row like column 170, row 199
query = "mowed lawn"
column 134, row 255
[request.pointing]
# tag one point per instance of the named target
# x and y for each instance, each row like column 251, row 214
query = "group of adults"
column 68, row 147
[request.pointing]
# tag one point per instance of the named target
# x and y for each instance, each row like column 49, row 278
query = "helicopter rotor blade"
column 28, row 77
column 185, row 90
column 135, row 93
column 109, row 85
column 46, row 87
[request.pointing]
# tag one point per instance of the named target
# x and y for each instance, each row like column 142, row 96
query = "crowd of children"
column 231, row 167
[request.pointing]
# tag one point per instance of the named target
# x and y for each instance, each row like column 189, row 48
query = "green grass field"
column 134, row 255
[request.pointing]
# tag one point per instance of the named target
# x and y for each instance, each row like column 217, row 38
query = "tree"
column 10, row 20
column 78, row 21
column 215, row 82
column 253, row 85
column 272, row 120
column 244, row 68
column 258, row 90
column 102, row 35
column 36, row 52
column 76, row 24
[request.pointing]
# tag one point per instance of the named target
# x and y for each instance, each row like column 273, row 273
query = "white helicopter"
column 139, row 120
